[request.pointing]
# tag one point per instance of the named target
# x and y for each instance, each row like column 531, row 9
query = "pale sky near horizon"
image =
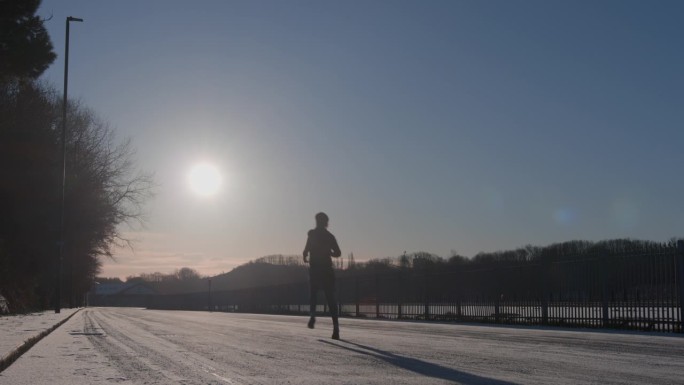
column 416, row 125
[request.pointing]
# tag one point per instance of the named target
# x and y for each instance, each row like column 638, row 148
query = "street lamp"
column 93, row 289
column 58, row 303
column 209, row 299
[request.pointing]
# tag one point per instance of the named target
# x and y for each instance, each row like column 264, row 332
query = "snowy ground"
column 124, row 345
column 16, row 329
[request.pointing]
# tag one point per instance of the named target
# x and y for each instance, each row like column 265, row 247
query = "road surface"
column 137, row 346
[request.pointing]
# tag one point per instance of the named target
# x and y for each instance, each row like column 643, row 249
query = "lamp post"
column 93, row 289
column 58, row 302
column 209, row 299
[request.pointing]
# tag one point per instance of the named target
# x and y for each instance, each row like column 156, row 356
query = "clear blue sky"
column 417, row 126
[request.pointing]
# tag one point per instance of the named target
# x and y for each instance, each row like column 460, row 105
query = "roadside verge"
column 7, row 359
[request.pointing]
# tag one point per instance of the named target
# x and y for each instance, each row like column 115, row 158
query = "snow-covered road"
column 124, row 345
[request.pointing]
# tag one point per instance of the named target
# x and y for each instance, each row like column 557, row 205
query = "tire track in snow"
column 148, row 358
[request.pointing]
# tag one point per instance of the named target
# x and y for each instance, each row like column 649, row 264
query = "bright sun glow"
column 205, row 179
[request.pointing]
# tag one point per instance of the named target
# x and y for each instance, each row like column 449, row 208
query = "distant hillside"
column 254, row 274
column 279, row 269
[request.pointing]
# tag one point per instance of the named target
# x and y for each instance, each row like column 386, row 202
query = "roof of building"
column 135, row 288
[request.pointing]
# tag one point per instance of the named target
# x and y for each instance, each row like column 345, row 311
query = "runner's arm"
column 335, row 249
column 307, row 249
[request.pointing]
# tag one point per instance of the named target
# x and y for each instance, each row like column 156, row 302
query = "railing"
column 632, row 291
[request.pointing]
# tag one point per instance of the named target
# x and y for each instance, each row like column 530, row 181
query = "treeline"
column 283, row 269
column 183, row 280
column 265, row 271
column 102, row 188
column 529, row 254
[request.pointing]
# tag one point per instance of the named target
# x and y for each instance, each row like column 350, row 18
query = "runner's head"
column 322, row 220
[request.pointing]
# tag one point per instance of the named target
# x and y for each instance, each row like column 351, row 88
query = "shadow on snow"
column 418, row 366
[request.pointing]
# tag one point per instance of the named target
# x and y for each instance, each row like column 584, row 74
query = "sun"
column 205, row 179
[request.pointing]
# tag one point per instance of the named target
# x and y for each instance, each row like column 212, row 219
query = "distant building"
column 121, row 294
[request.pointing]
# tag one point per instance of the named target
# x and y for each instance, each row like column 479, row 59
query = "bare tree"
column 104, row 191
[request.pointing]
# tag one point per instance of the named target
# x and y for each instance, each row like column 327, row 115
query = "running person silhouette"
column 320, row 246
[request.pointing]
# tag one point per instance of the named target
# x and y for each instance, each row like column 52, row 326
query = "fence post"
column 459, row 292
column 603, row 263
column 497, row 295
column 546, row 271
column 680, row 282
column 426, row 290
column 377, row 294
column 338, row 291
column 356, row 284
column 400, row 291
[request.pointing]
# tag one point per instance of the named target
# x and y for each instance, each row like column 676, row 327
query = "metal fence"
column 630, row 291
